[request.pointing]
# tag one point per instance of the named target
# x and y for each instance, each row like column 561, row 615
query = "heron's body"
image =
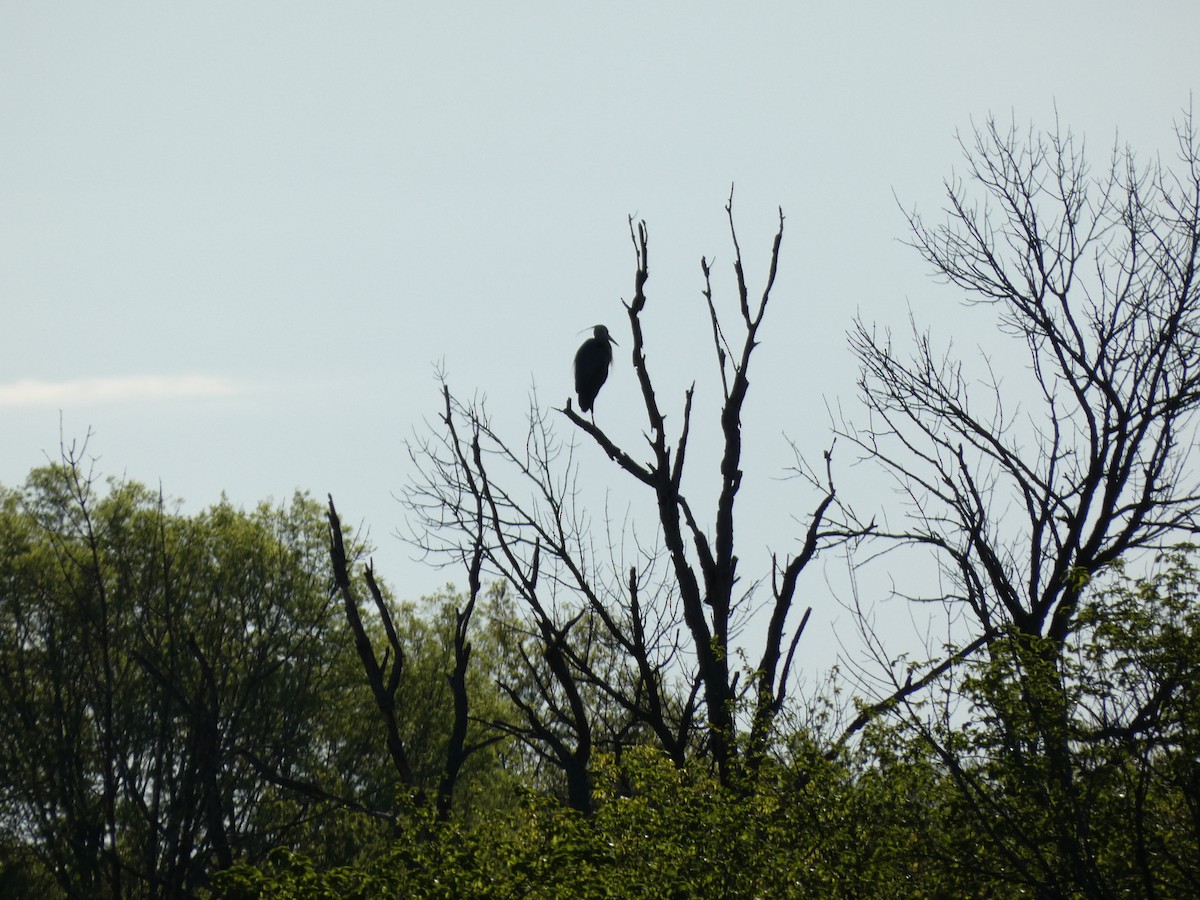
column 592, row 361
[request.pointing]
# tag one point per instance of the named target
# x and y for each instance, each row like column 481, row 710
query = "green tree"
column 173, row 689
column 883, row 821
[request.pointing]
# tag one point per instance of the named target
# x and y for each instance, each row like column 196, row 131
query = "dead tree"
column 458, row 504
column 386, row 675
column 674, row 679
column 1095, row 277
column 1025, row 497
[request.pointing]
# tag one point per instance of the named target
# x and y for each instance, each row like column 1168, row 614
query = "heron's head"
column 601, row 332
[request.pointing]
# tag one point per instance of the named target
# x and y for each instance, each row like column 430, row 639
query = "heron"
column 592, row 360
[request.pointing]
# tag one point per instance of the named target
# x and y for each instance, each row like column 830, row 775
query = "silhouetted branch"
column 383, row 691
column 911, row 686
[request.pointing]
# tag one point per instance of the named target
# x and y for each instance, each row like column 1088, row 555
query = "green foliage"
column 163, row 678
column 178, row 693
column 179, row 696
column 813, row 828
column 1078, row 771
column 1140, row 715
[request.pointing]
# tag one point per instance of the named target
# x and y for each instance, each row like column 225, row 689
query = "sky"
column 239, row 240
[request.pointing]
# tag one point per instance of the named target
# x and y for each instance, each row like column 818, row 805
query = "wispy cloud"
column 29, row 392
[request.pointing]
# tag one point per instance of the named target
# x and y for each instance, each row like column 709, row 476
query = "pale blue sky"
column 235, row 238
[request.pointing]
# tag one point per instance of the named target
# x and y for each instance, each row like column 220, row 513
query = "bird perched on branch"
column 592, row 360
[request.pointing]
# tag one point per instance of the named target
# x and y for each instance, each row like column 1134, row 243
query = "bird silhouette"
column 592, row 360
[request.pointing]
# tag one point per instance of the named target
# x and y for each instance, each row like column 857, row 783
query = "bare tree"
column 1096, row 278
column 1025, row 498
column 385, row 674
column 628, row 649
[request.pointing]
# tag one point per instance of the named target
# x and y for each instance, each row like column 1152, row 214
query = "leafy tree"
column 1139, row 699
column 1128, row 681
column 656, row 830
column 172, row 688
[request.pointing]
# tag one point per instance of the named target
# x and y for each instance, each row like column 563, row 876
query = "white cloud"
column 29, row 392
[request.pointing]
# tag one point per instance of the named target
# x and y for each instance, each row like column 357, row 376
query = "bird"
column 592, row 360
